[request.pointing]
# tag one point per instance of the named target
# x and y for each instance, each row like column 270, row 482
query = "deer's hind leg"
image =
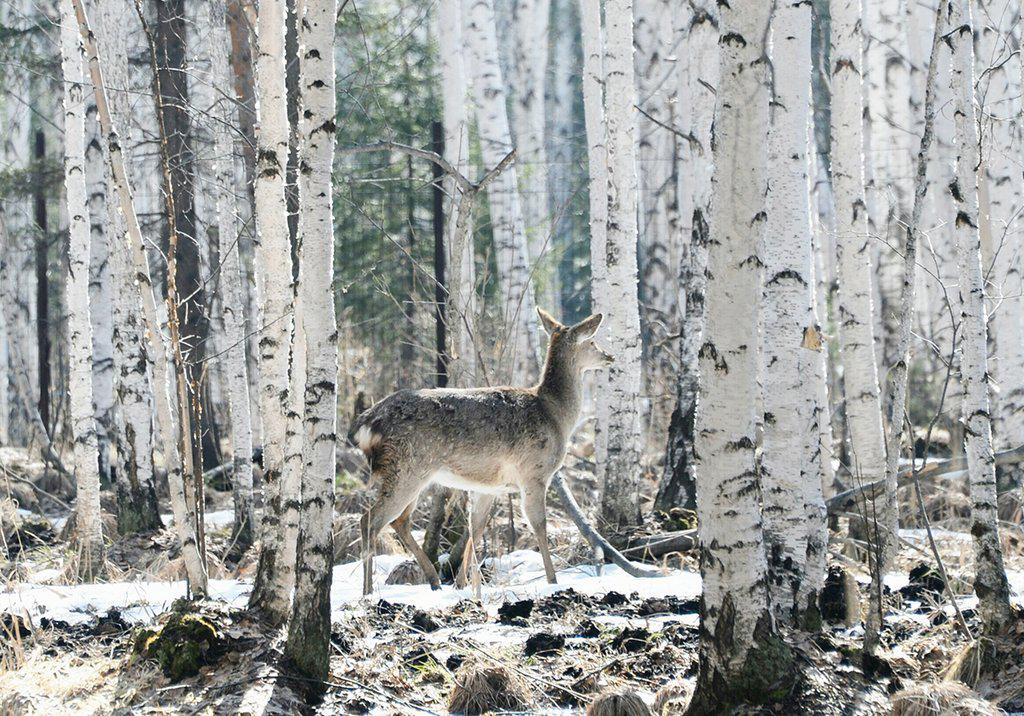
column 480, row 510
column 403, row 529
column 398, row 490
column 535, row 509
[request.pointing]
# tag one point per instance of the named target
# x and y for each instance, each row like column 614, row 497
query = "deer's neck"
column 562, row 389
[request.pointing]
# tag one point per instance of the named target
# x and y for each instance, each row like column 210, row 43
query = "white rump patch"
column 366, row 439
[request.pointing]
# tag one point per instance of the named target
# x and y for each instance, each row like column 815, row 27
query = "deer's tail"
column 363, row 435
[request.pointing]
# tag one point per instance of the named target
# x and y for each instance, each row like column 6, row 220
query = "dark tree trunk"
column 677, row 488
column 407, row 345
column 172, row 70
column 42, row 263
column 440, row 281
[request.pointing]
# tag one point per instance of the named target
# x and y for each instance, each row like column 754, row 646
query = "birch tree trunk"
column 737, row 629
column 101, row 292
column 88, row 525
column 697, row 92
column 522, row 345
column 137, row 509
column 817, row 432
column 597, row 157
column 232, row 297
column 597, row 167
column 853, row 247
column 892, row 135
column 275, row 573
column 157, row 345
column 308, row 645
column 461, row 279
column 1001, row 223
column 896, row 394
column 660, row 225
column 990, row 576
column 789, row 488
column 530, row 21
column 618, row 453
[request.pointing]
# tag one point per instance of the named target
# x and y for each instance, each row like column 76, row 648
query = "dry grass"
column 481, row 687
column 943, row 699
column 63, row 683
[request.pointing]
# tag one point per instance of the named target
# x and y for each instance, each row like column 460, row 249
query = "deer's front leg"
column 535, row 509
column 395, row 495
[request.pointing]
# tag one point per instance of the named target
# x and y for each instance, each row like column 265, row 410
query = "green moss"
column 181, row 646
column 767, row 674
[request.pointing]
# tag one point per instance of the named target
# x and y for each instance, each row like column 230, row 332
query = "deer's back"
column 482, row 437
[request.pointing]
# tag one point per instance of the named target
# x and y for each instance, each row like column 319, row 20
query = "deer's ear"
column 588, row 326
column 548, row 321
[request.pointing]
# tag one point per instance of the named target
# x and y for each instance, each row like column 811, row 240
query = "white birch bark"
column 1001, row 222
column 137, row 509
column 530, row 63
column 990, row 577
column 853, row 247
column 660, row 225
column 101, row 294
column 507, row 222
column 308, row 645
column 460, row 275
column 276, row 570
column 618, row 404
column 789, row 488
column 85, row 453
column 593, row 110
column 892, row 141
column 158, row 345
column 824, row 279
column 597, row 168
column 817, row 431
column 232, row 299
column 735, row 618
column 902, row 347
column 697, row 93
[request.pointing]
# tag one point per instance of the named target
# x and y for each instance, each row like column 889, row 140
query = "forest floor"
column 67, row 648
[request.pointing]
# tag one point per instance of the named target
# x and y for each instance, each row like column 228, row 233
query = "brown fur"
column 489, row 441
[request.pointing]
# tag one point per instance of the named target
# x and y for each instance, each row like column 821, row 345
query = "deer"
column 487, row 441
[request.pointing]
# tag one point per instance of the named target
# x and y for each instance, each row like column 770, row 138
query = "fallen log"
column 847, row 501
column 657, row 546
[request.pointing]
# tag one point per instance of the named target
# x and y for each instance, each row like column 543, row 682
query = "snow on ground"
column 519, row 575
column 920, row 536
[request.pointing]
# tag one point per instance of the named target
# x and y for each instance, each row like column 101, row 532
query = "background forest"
column 231, row 229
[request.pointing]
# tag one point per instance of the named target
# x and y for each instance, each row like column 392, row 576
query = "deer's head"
column 574, row 346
